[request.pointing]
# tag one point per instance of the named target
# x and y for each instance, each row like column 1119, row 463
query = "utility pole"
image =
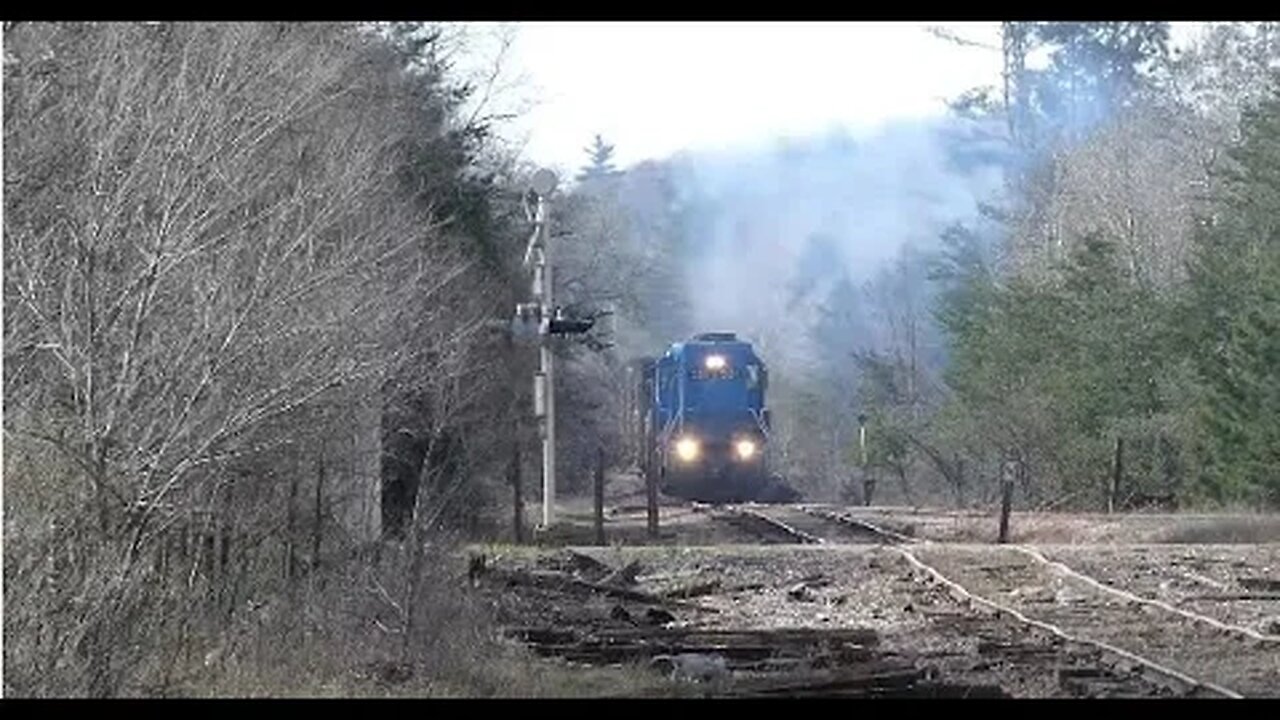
column 542, row 318
column 862, row 439
column 544, row 183
column 868, row 482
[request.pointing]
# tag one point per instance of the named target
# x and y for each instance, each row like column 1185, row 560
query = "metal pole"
column 862, row 443
column 862, row 439
column 539, row 255
column 868, row 482
column 1006, row 500
column 599, row 493
column 548, row 374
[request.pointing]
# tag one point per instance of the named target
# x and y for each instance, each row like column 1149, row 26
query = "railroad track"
column 847, row 520
column 766, row 526
column 1105, row 640
column 1126, row 615
column 800, row 524
column 1240, row 600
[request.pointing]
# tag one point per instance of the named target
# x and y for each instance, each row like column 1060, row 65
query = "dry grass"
column 519, row 675
column 1228, row 529
column 331, row 632
column 1050, row 528
column 1139, row 528
column 458, row 654
column 500, row 670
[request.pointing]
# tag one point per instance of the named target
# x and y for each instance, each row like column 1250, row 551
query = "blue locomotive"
column 701, row 423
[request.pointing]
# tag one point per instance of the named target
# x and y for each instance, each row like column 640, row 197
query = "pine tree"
column 1094, row 69
column 601, row 164
column 1233, row 316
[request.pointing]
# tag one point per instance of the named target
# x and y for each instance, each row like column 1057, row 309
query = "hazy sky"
column 655, row 88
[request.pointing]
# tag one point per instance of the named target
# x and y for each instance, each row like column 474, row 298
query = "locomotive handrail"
column 759, row 416
column 666, row 429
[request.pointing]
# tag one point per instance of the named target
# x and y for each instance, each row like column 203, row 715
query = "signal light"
column 569, row 327
column 532, row 319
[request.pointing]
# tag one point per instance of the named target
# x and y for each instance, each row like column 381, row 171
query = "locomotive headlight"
column 687, row 449
column 746, row 449
column 714, row 362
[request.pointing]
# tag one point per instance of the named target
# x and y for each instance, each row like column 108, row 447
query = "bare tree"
column 210, row 249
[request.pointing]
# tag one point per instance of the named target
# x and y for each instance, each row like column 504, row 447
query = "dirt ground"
column 1079, row 529
column 782, row 600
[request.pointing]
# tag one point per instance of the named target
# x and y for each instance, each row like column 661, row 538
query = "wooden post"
column 1006, row 500
column 225, row 593
column 599, row 482
column 651, row 495
column 517, row 500
column 1117, row 469
column 317, row 533
column 290, row 522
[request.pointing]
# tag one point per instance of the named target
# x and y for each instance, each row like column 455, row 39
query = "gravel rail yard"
column 750, row 600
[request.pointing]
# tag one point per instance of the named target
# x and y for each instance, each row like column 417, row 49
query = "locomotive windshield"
column 716, row 366
column 720, row 382
column 713, row 366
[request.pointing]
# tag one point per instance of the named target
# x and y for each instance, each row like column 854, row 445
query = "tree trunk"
column 1117, row 470
column 1006, row 504
column 225, row 529
column 290, row 523
column 901, row 470
column 513, row 476
column 599, row 492
column 317, row 530
column 651, row 496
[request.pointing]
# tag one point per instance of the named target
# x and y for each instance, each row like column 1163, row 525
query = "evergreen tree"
column 601, row 163
column 1233, row 318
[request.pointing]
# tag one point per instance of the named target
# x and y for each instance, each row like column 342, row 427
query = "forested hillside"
column 1075, row 258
